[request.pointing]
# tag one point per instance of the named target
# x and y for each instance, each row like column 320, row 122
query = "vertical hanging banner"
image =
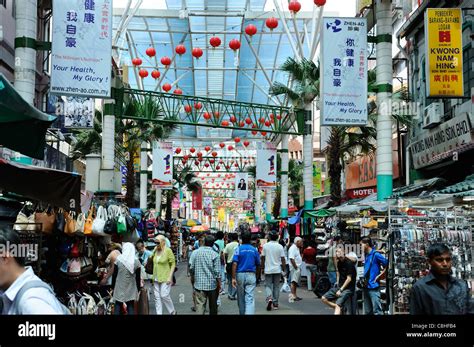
column 81, row 48
column 221, row 215
column 162, row 175
column 207, row 206
column 317, row 181
column 344, row 71
column 266, row 165
column 197, row 199
column 241, row 185
column 443, row 30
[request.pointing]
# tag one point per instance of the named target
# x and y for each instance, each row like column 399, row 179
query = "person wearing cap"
column 274, row 264
column 294, row 255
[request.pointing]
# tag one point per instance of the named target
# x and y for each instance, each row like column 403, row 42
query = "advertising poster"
column 317, row 180
column 344, row 71
column 207, row 206
column 241, row 185
column 81, row 48
column 162, row 175
column 266, row 165
column 443, row 30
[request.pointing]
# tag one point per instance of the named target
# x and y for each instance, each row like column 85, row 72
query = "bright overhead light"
column 468, row 198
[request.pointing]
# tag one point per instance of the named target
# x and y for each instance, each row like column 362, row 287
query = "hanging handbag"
column 75, row 251
column 150, row 264
column 21, row 222
column 74, row 267
column 80, row 222
column 99, row 222
column 70, row 224
column 121, row 223
column 46, row 220
column 86, row 265
column 88, row 224
column 110, row 226
column 60, row 221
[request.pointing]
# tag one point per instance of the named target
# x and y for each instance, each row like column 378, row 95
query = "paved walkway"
column 181, row 294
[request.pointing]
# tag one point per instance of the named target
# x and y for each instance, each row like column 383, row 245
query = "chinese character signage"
column 266, row 165
column 162, row 175
column 344, row 71
column 81, row 48
column 241, row 186
column 317, row 189
column 443, row 30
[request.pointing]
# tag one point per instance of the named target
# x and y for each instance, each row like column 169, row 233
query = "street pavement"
column 181, row 293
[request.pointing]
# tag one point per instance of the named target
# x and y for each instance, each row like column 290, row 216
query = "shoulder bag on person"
column 363, row 281
column 36, row 284
column 149, row 264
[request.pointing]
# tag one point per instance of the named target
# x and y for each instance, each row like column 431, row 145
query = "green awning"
column 22, row 126
column 318, row 214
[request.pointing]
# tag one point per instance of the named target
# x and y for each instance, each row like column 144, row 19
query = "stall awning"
column 58, row 188
column 318, row 214
column 415, row 189
column 295, row 219
column 22, row 126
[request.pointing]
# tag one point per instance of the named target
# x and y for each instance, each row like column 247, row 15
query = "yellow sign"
column 221, row 215
column 443, row 28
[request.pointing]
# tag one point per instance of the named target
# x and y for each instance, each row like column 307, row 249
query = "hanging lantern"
column 217, row 114
column 206, row 165
column 136, row 61
column 166, row 87
column 186, row 157
column 197, row 105
column 188, row 109
column 264, row 133
column 207, row 148
column 214, row 154
column 155, row 74
column 143, row 73
column 233, row 119
column 196, row 162
column 237, row 140
column 166, row 61
column 178, row 150
column 206, row 116
column 178, row 91
column 183, row 161
column 200, row 159
column 180, row 49
column 262, row 120
column 222, row 144
column 197, row 52
column 151, row 52
column 215, row 41
column 212, row 161
column 234, row 44
column 250, row 30
column 279, row 116
column 225, row 123
column 192, row 150
column 230, row 147
column 294, row 7
column 268, row 123
column 320, row 3
column 271, row 23
column 241, row 123
column 248, row 121
column 199, row 154
column 254, row 132
column 246, row 143
column 217, row 168
column 236, row 165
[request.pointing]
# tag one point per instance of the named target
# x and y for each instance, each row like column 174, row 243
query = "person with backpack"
column 374, row 261
column 21, row 291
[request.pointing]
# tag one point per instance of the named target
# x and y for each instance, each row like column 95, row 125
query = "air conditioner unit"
column 433, row 115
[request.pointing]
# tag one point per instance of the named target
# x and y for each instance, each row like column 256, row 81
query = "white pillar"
column 92, row 172
column 268, row 210
column 143, row 174
column 284, row 176
column 158, row 201
column 25, row 57
column 107, row 173
column 384, row 96
column 308, row 158
column 257, row 205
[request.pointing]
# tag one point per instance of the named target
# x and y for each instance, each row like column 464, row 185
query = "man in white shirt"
column 294, row 254
column 14, row 276
column 273, row 260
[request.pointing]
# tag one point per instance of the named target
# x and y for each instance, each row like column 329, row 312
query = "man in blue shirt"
column 246, row 263
column 374, row 261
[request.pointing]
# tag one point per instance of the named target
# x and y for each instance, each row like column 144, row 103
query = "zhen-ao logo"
column 334, row 26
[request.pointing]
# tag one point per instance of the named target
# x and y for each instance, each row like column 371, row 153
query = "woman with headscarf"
column 164, row 263
column 127, row 283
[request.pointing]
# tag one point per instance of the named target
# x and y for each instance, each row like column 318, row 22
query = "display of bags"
column 121, row 223
column 60, row 221
column 70, row 223
column 47, row 220
column 99, row 222
column 110, row 226
column 80, row 222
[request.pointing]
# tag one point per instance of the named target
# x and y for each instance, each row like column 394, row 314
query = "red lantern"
column 196, row 162
column 271, row 23
column 180, row 49
column 183, row 161
column 246, row 143
column 241, row 123
column 262, row 120
column 136, row 61
column 178, row 150
column 254, row 126
column 294, row 6
column 151, row 52
column 192, row 150
column 254, row 132
column 155, row 74
column 207, row 116
column 250, row 30
column 166, row 61
column 263, row 133
column 237, row 139
column 225, row 123
column 233, row 119
column 206, row 165
column 186, row 157
column 212, row 161
column 279, row 116
column 207, row 148
column 215, row 41
column 217, row 114
column 188, row 109
column 268, row 123
column 143, row 73
column 178, row 91
column 319, row 2
column 222, row 144
column 166, row 87
column 197, row 52
column 234, row 44
column 197, row 105
column 199, row 154
column 248, row 121
column 214, row 154
column 236, row 165
column 217, row 168
column 230, row 147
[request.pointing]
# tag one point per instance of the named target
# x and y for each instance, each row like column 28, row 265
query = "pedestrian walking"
column 439, row 293
column 246, row 264
column 164, row 263
column 229, row 251
column 220, row 245
column 294, row 255
column 205, row 268
column 274, row 264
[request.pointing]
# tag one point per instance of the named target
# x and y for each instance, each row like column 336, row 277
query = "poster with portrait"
column 266, row 165
column 241, row 185
column 162, row 175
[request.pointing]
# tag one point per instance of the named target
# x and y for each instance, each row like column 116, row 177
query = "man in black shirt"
column 345, row 285
column 439, row 293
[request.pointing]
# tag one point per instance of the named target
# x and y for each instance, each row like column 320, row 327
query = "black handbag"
column 60, row 221
column 110, row 226
column 130, row 222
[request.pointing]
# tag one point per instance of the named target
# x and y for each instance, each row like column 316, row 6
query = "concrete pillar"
column 158, row 198
column 107, row 180
column 92, row 172
column 268, row 197
column 284, row 176
column 257, row 205
column 143, row 174
column 308, row 158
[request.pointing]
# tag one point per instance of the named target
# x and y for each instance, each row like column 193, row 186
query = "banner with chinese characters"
column 443, row 33
column 81, row 48
column 317, row 178
column 197, row 199
column 344, row 71
column 162, row 174
column 266, row 165
column 241, row 185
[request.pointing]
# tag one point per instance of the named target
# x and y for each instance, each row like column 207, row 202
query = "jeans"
column 231, row 291
column 223, row 276
column 332, row 277
column 202, row 296
column 246, row 283
column 118, row 307
column 272, row 287
column 372, row 302
column 162, row 296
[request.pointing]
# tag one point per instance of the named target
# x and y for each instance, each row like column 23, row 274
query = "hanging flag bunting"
column 162, row 175
column 241, row 185
column 78, row 67
column 443, row 32
column 266, row 165
column 344, row 71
